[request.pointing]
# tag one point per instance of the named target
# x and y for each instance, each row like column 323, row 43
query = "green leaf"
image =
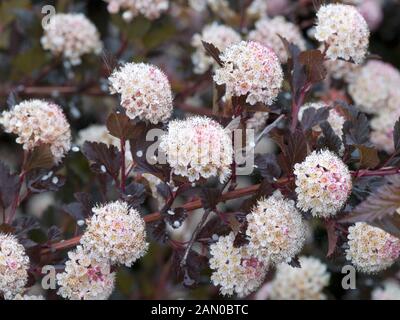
column 381, row 208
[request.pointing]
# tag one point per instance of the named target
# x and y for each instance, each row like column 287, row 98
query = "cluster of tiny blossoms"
column 250, row 69
column 267, row 33
column 14, row 264
column 86, row 277
column 276, row 230
column 343, row 29
column 375, row 87
column 390, row 291
column 198, row 147
column 220, row 36
column 234, row 270
column 257, row 120
column 323, row 183
column 335, row 119
column 371, row 249
column 96, row 133
column 38, row 122
column 28, row 297
column 71, row 35
column 382, row 130
column 151, row 9
column 145, row 91
column 341, row 70
column 304, row 283
column 115, row 232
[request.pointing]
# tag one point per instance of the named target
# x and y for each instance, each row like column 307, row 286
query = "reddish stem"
column 296, row 106
column 123, row 173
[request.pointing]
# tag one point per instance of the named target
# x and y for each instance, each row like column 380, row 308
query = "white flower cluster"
column 198, row 147
column 375, row 87
column 257, row 121
column 145, row 91
column 234, row 270
column 276, row 230
column 341, row 70
column 38, row 122
column 267, row 33
column 220, row 36
column 371, row 249
column 304, row 283
column 250, row 69
column 28, row 297
column 323, row 183
column 86, row 277
column 343, row 29
column 115, row 232
column 151, row 9
column 257, row 9
column 382, row 130
column 335, row 119
column 71, row 35
column 14, row 264
column 390, row 291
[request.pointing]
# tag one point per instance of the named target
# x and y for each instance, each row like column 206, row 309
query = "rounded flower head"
column 382, row 130
column 389, row 291
column 38, row 122
column 151, row 9
column 304, row 283
column 341, row 70
column 220, row 36
column 275, row 230
column 343, row 29
column 116, row 232
column 234, row 270
column 250, row 69
column 323, row 183
column 371, row 249
column 85, row 277
column 375, row 87
column 14, row 264
column 145, row 91
column 267, row 33
column 198, row 147
column 335, row 119
column 71, row 35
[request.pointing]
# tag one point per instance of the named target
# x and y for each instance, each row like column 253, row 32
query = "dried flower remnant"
column 304, row 283
column 151, row 9
column 375, row 87
column 115, row 232
column 198, row 147
column 14, row 265
column 251, row 70
column 389, row 291
column 145, row 91
column 234, row 270
column 71, row 35
column 371, row 249
column 220, row 36
column 268, row 33
column 275, row 230
column 343, row 29
column 38, row 122
column 86, row 277
column 323, row 183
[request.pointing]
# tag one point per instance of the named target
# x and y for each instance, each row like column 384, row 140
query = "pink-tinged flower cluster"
column 198, row 147
column 341, row 70
column 38, row 122
column 220, row 36
column 343, row 29
column 86, row 277
column 304, row 283
column 389, row 291
column 323, row 183
column 382, row 130
column 375, row 87
column 151, row 9
column 267, row 33
column 116, row 233
column 14, row 265
column 370, row 249
column 276, row 230
column 145, row 91
column 71, row 35
column 251, row 70
column 234, row 270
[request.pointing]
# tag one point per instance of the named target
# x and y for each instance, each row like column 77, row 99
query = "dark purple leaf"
column 135, row 194
column 40, row 158
column 103, row 157
column 213, row 51
column 121, row 126
column 9, row 185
